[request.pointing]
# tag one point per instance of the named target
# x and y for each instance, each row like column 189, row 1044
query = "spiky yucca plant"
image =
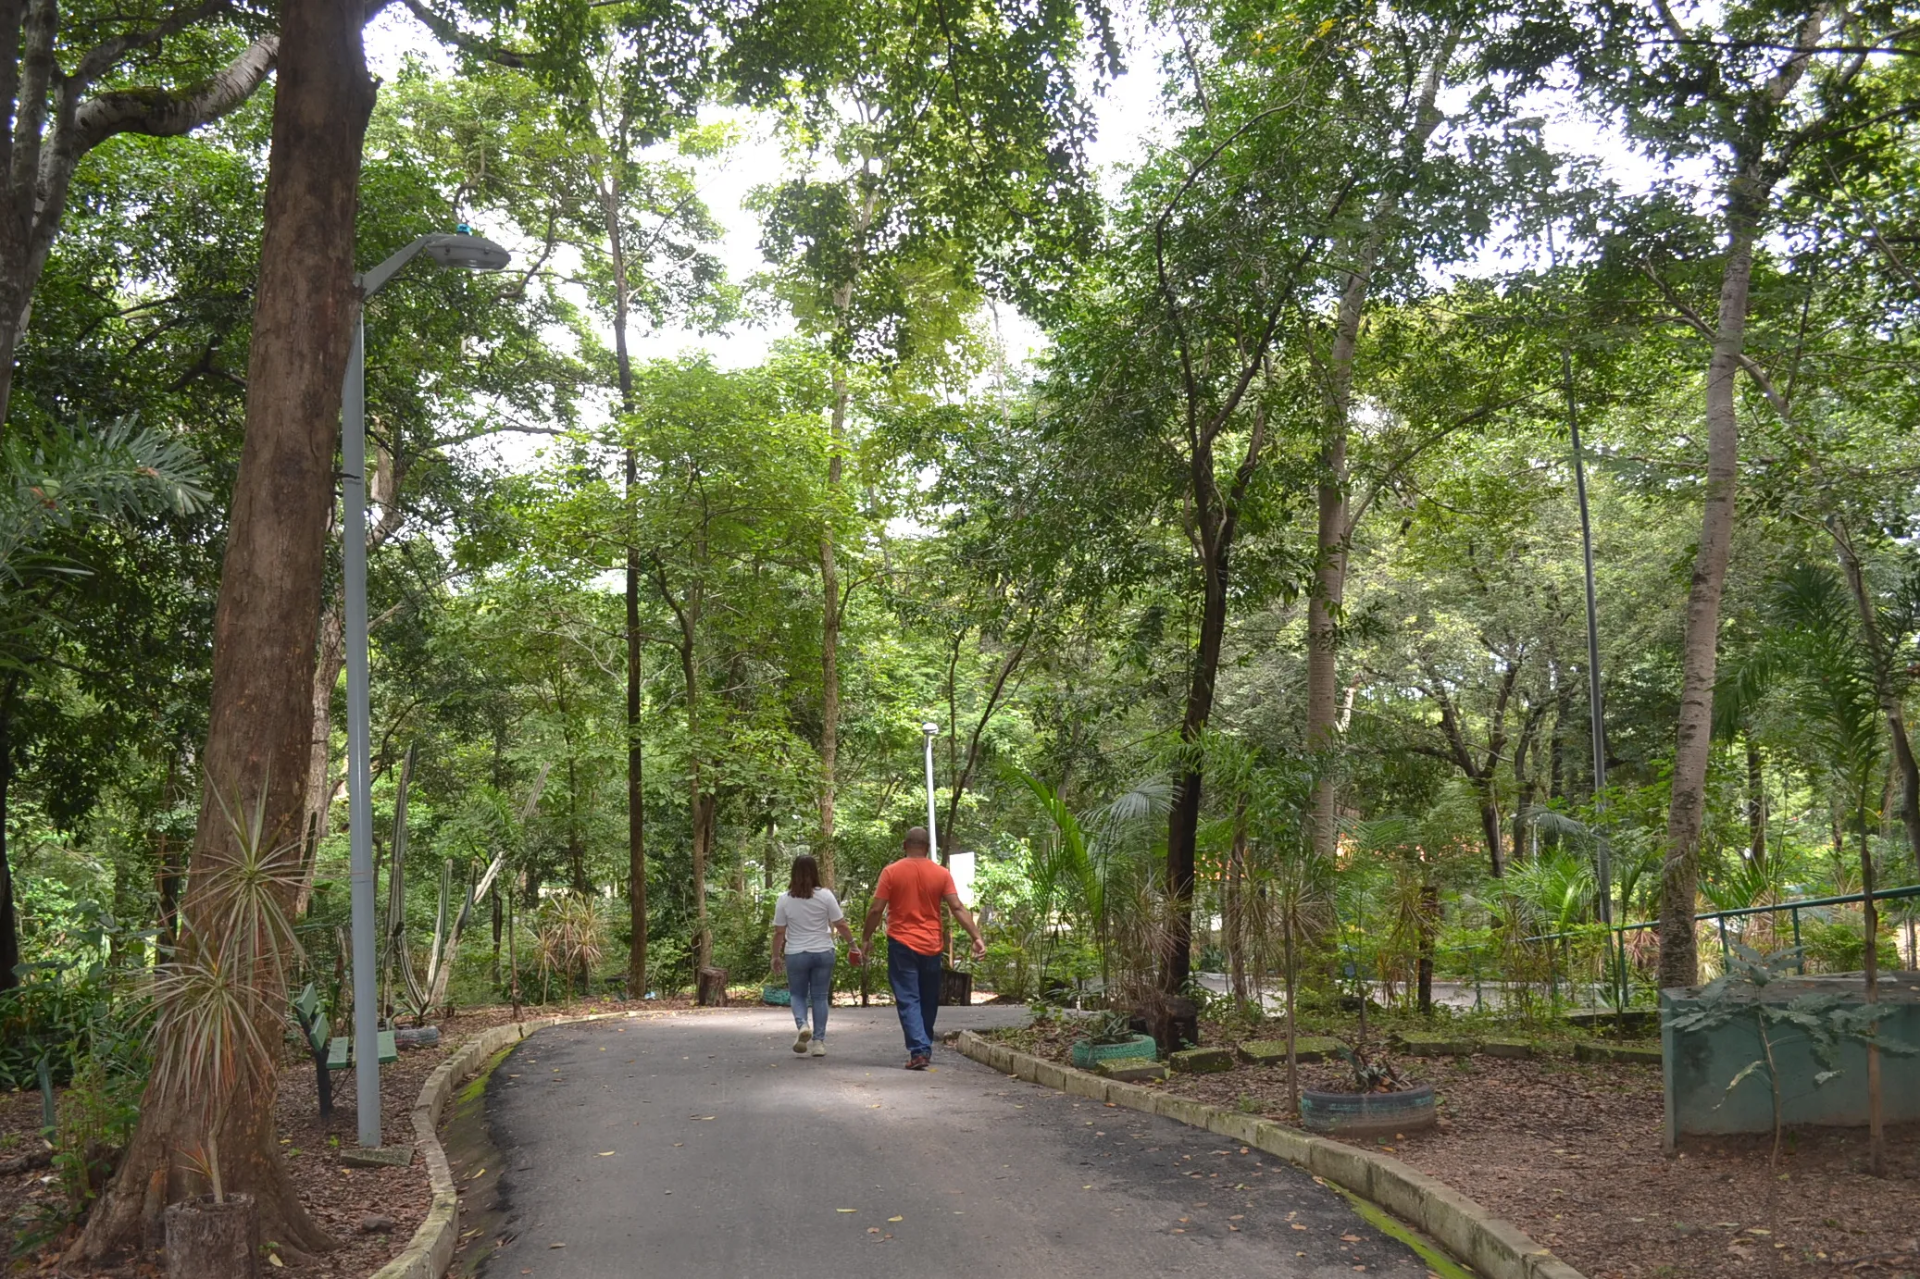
column 217, row 998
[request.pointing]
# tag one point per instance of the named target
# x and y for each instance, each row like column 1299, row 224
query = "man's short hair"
column 917, row 835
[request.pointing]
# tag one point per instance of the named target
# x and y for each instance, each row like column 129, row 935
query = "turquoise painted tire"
column 1085, row 1053
column 776, row 995
column 1367, row 1114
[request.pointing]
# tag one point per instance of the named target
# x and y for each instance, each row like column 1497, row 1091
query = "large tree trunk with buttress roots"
column 258, row 736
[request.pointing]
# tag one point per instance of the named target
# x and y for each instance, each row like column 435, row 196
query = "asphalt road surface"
column 701, row 1146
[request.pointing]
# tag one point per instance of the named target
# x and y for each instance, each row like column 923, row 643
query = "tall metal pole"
column 1595, row 705
column 353, row 484
column 933, row 836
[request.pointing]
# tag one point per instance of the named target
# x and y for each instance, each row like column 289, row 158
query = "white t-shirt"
column 809, row 921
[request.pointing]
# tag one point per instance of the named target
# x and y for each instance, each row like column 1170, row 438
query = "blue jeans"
column 915, row 979
column 810, row 981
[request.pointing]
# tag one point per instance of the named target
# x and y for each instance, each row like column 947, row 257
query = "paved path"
column 700, row 1146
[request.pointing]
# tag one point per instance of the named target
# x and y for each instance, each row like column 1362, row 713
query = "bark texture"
column 265, row 623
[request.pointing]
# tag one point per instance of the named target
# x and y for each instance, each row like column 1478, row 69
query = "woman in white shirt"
column 804, row 921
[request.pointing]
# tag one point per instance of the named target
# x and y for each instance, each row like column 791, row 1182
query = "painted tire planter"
column 1367, row 1114
column 1085, row 1053
column 776, row 995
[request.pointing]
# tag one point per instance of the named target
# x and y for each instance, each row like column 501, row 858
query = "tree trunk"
column 830, row 636
column 1756, row 804
column 1335, row 526
column 1183, row 825
column 320, row 785
column 636, row 770
column 9, row 922
column 1680, row 877
column 1490, row 823
column 267, row 615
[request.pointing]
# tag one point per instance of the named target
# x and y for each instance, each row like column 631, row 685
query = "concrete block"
column 1501, row 1250
column 1048, row 1075
column 1283, row 1142
column 1449, row 1217
column 1081, row 1084
column 1400, row 1189
column 1273, row 1052
column 1183, row 1109
column 1516, row 1049
column 1341, row 1163
column 1130, row 1070
column 1200, row 1061
column 1132, row 1096
column 1544, row 1265
column 1233, row 1124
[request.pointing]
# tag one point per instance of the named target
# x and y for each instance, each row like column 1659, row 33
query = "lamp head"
column 930, row 729
column 466, row 251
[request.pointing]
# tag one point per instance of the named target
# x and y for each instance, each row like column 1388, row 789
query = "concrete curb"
column 1497, row 1249
column 430, row 1251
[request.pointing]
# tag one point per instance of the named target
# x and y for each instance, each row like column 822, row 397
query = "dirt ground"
column 1570, row 1152
column 372, row 1212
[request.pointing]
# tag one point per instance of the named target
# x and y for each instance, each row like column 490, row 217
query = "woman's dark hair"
column 804, row 877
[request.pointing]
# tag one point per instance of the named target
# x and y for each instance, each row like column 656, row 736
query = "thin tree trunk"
column 1334, row 526
column 1756, row 803
column 266, row 619
column 1748, row 194
column 9, row 921
column 830, row 636
column 320, row 785
column 1680, row 879
column 636, row 770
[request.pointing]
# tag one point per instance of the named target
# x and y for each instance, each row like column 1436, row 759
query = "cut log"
column 419, row 1037
column 711, row 988
column 208, row 1240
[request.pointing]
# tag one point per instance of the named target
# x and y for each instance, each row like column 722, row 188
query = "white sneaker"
column 819, row 1048
column 800, row 1041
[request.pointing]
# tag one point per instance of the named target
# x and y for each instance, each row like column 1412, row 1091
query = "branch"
column 159, row 114
column 453, row 35
column 106, row 55
column 1688, row 316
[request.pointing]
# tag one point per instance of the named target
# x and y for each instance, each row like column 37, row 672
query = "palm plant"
column 217, row 1015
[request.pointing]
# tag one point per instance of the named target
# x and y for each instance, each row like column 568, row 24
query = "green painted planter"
column 1085, row 1052
column 776, row 995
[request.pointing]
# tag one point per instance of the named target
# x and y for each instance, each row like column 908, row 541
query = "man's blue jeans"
column 915, row 979
column 810, row 982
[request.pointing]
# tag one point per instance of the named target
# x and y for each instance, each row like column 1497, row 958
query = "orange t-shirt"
column 913, row 889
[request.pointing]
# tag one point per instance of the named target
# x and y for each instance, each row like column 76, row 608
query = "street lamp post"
column 933, row 838
column 465, row 252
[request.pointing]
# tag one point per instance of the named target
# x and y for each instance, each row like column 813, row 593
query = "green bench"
column 340, row 1051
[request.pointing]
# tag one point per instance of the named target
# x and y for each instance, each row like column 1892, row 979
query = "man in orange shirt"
column 909, row 894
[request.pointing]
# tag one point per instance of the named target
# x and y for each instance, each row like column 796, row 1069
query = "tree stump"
column 208, row 1240
column 1173, row 1021
column 710, row 989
